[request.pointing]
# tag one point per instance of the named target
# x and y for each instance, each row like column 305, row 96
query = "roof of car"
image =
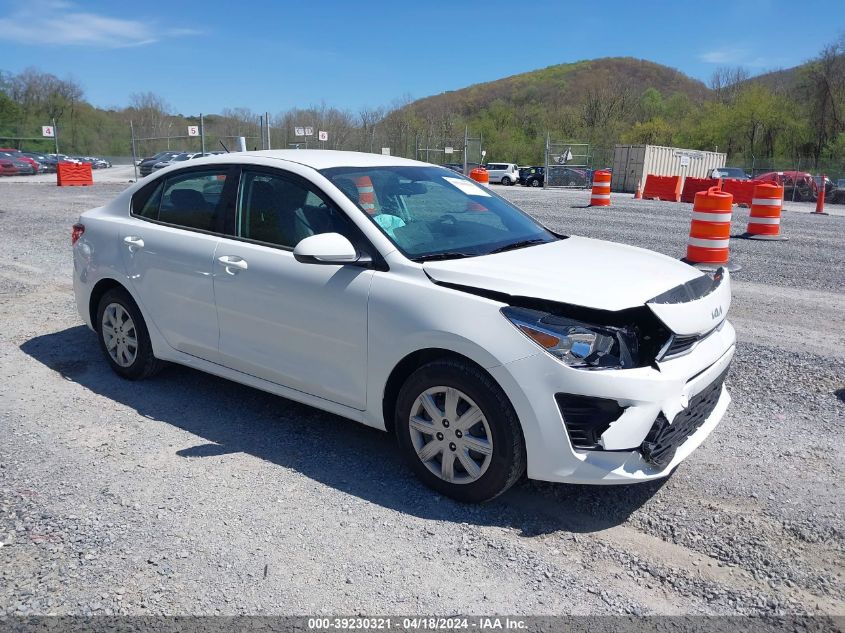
column 318, row 158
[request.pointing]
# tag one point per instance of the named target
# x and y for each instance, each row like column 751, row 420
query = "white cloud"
column 56, row 22
column 733, row 57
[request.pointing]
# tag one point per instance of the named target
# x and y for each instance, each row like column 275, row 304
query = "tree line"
column 781, row 120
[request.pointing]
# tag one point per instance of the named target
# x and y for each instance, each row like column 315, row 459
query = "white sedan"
column 407, row 297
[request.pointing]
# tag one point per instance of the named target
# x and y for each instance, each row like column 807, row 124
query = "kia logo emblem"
column 717, row 312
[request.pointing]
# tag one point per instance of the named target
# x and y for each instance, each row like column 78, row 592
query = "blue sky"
column 203, row 56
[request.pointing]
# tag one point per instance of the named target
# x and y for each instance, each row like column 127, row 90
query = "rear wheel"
column 535, row 182
column 123, row 336
column 459, row 432
column 506, row 181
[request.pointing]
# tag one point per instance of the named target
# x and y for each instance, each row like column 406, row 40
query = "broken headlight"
column 576, row 343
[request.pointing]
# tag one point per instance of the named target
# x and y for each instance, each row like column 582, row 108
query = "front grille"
column 586, row 418
column 679, row 345
column 664, row 438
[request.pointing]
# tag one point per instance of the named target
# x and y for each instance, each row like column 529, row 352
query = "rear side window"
column 145, row 203
column 193, row 200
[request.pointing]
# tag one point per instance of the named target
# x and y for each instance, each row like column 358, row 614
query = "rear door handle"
column 233, row 263
column 134, row 243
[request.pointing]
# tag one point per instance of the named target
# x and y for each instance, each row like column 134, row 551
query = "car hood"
column 593, row 274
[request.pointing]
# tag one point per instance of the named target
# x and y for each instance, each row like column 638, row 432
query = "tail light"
column 76, row 233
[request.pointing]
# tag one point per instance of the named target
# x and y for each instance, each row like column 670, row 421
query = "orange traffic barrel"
column 366, row 194
column 764, row 223
column 480, row 175
column 600, row 196
column 708, row 246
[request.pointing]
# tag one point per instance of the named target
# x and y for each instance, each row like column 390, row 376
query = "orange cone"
column 638, row 195
column 820, row 199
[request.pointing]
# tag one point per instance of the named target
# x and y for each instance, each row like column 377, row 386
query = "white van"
column 504, row 173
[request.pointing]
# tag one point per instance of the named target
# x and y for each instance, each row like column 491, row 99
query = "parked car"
column 503, row 173
column 569, row 176
column 145, row 167
column 63, row 158
column 95, row 162
column 47, row 163
column 837, row 194
column 532, row 176
column 23, row 165
column 797, row 185
column 17, row 155
column 178, row 158
column 7, row 167
column 735, row 173
column 409, row 298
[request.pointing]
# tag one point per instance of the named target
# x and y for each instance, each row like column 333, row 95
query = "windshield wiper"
column 438, row 256
column 515, row 245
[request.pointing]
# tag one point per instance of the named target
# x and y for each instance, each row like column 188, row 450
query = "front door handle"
column 233, row 263
column 134, row 243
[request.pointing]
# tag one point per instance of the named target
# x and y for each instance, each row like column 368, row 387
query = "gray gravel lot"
column 188, row 494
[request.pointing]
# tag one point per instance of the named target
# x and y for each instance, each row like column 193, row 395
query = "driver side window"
column 281, row 211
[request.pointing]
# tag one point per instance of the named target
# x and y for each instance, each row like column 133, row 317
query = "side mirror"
column 328, row 248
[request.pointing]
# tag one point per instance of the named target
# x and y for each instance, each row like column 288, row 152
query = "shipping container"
column 632, row 163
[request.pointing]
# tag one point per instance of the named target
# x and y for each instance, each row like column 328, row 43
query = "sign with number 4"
column 47, row 130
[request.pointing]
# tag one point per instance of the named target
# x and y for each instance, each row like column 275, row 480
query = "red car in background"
column 9, row 152
column 797, row 185
column 7, row 167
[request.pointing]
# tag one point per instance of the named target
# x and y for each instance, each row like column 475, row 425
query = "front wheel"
column 459, row 432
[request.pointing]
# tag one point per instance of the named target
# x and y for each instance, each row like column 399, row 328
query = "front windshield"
column 434, row 213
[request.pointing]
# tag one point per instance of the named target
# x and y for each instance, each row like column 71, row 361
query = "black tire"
column 536, row 182
column 508, row 460
column 145, row 363
column 506, row 181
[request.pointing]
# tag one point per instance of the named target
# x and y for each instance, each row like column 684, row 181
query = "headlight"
column 575, row 343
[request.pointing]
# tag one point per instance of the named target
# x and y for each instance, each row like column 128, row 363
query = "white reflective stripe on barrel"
column 601, row 196
column 753, row 220
column 766, row 202
column 366, row 189
column 601, row 184
column 705, row 243
column 711, row 217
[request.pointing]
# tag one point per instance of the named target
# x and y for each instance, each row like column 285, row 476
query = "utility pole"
column 56, row 137
column 202, row 134
column 466, row 147
column 134, row 155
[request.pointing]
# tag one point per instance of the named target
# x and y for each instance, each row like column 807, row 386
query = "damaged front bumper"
column 641, row 443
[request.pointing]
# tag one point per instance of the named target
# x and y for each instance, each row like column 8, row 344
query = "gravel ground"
column 188, row 494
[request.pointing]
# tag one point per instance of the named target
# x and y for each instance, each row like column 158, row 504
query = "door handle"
column 133, row 242
column 233, row 262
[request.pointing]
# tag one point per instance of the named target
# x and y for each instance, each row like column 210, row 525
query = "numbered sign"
column 299, row 131
column 309, row 131
column 323, row 136
column 193, row 130
column 47, row 130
